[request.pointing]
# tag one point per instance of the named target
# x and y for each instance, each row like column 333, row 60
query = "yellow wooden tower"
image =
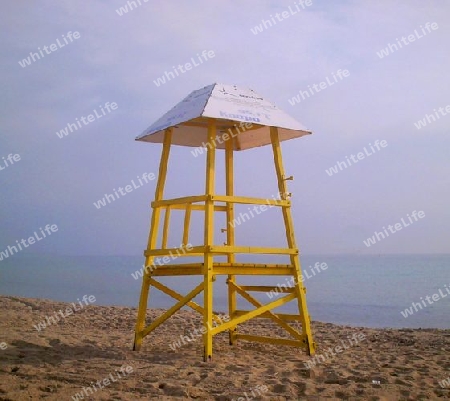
column 230, row 118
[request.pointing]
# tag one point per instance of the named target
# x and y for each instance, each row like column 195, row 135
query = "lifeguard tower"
column 234, row 119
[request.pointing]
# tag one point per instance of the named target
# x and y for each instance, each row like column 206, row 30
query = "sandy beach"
column 88, row 355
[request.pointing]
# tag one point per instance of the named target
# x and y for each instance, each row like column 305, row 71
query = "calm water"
column 356, row 290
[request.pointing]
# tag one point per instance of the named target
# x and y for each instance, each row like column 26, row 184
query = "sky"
column 117, row 59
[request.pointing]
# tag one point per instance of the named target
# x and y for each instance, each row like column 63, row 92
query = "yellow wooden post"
column 151, row 244
column 187, row 220
column 209, row 242
column 229, row 183
column 295, row 261
column 166, row 228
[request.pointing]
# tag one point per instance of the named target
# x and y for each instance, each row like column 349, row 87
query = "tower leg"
column 208, row 308
column 229, row 174
column 295, row 261
column 152, row 238
column 209, row 239
column 142, row 309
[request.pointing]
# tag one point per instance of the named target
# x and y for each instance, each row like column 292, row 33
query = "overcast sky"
column 118, row 58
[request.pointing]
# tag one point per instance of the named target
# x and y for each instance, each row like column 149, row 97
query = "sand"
column 94, row 344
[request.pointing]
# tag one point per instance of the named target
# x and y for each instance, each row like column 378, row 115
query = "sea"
column 355, row 290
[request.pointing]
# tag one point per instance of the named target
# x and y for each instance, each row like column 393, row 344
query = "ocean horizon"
column 356, row 290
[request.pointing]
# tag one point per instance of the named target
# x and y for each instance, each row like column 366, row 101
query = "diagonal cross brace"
column 177, row 296
column 256, row 312
column 166, row 315
column 294, row 333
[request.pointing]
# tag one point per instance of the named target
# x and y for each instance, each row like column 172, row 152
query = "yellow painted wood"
column 229, row 188
column 182, row 200
column 287, row 216
column 176, row 252
column 189, row 270
column 161, row 319
column 224, row 269
column 217, row 249
column 182, row 203
column 294, row 333
column 166, row 228
column 251, row 201
column 209, row 203
column 250, row 265
column 250, row 315
column 187, row 221
column 209, row 240
column 284, row 316
column 234, row 264
column 195, row 207
column 153, row 236
column 142, row 308
column 252, row 249
column 175, row 295
column 253, row 271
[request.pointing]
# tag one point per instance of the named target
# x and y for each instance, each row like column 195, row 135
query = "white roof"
column 231, row 107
